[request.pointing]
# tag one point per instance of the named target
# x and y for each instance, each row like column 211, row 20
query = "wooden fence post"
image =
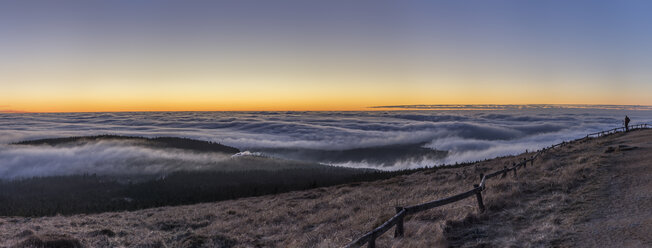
column 372, row 241
column 505, row 170
column 398, row 232
column 478, row 196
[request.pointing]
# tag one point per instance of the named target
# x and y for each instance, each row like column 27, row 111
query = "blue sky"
column 309, row 55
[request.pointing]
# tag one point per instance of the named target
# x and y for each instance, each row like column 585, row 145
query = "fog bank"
column 466, row 135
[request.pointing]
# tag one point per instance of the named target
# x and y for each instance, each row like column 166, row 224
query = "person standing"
column 626, row 124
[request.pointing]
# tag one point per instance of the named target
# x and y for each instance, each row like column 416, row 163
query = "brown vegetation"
column 553, row 203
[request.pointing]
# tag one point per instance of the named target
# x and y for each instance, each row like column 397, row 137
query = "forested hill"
column 131, row 178
column 159, row 142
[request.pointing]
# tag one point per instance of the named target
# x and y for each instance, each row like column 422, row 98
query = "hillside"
column 379, row 155
column 589, row 193
column 169, row 171
column 158, row 142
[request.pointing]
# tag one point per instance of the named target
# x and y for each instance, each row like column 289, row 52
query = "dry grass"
column 536, row 208
column 548, row 202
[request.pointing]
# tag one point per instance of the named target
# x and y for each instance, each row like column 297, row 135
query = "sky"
column 138, row 55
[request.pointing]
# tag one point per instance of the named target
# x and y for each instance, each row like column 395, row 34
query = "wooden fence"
column 398, row 219
column 618, row 129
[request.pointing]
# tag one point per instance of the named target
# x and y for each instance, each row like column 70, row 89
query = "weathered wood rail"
column 618, row 129
column 398, row 219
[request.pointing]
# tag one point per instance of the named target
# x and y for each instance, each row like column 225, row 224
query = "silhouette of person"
column 626, row 124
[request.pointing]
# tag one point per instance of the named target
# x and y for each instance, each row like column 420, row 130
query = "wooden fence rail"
column 398, row 219
column 618, row 129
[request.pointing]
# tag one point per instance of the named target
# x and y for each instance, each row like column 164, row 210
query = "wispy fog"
column 102, row 158
column 467, row 135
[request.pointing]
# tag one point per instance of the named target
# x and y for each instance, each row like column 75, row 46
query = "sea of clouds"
column 467, row 135
column 117, row 158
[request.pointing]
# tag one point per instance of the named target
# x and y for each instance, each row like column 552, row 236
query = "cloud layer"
column 467, row 135
column 102, row 158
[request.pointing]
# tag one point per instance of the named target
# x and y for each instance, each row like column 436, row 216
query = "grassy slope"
column 582, row 195
column 549, row 204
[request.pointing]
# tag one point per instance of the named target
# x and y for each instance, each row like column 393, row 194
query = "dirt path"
column 621, row 211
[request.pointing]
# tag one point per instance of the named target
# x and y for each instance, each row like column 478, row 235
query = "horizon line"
column 387, row 108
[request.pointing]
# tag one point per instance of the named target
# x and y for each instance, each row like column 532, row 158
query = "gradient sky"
column 134, row 55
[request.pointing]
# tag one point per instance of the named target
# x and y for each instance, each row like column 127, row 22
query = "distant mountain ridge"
column 158, row 142
column 383, row 155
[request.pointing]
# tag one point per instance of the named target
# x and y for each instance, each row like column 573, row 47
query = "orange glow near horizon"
column 164, row 87
column 244, row 103
column 279, row 95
